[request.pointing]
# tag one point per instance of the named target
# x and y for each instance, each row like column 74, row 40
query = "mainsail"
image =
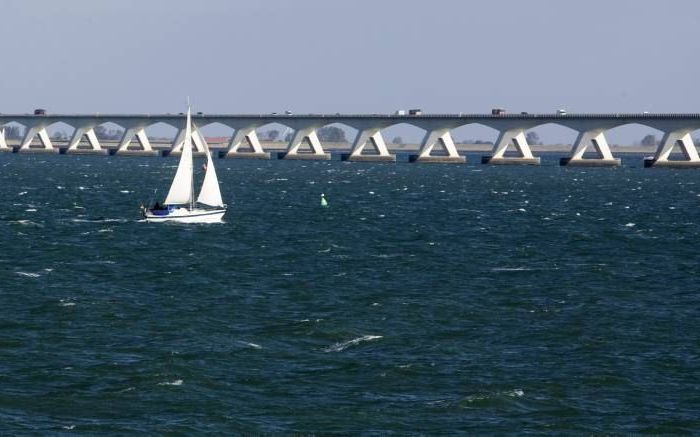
column 210, row 193
column 181, row 189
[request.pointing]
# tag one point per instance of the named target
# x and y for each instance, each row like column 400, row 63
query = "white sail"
column 210, row 194
column 181, row 189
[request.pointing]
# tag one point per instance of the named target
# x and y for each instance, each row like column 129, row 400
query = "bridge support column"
column 140, row 134
column 375, row 138
column 74, row 144
column 506, row 138
column 308, row 134
column 681, row 138
column 597, row 139
column 47, row 146
column 3, row 141
column 198, row 143
column 248, row 135
column 433, row 138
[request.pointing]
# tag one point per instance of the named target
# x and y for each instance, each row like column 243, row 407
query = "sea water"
column 424, row 299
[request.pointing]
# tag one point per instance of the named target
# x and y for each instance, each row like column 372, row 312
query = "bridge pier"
column 198, row 143
column 140, row 134
column 596, row 137
column 432, row 138
column 301, row 135
column 248, row 135
column 3, row 142
column 671, row 139
column 33, row 131
column 74, row 143
column 515, row 137
column 374, row 137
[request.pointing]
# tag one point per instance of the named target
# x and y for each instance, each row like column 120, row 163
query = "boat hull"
column 184, row 215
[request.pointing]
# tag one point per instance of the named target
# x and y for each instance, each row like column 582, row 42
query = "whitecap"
column 128, row 389
column 176, row 382
column 124, row 191
column 511, row 269
column 630, row 225
column 355, row 341
column 30, row 210
column 371, row 192
column 253, row 345
column 22, row 193
column 28, row 274
column 69, row 427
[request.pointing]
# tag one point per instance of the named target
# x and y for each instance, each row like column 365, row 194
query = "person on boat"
column 157, row 206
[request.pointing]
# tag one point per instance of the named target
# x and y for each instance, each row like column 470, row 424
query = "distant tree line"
column 329, row 134
column 59, row 135
column 14, row 132
column 533, row 139
column 649, row 140
column 332, row 134
column 103, row 133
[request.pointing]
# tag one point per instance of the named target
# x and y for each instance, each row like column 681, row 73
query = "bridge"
column 244, row 143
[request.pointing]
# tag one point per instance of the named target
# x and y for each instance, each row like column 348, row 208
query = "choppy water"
column 425, row 299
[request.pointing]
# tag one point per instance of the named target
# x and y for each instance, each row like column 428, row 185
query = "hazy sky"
column 355, row 56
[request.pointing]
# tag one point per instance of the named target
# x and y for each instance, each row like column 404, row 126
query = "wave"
column 249, row 344
column 101, row 220
column 511, row 269
column 355, row 341
column 28, row 274
column 26, row 222
column 177, row 382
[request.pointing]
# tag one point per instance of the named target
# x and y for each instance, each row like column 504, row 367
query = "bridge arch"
column 14, row 130
column 109, row 131
column 163, row 124
column 632, row 134
column 403, row 133
column 474, row 133
column 274, row 132
column 337, row 133
column 60, row 131
column 161, row 133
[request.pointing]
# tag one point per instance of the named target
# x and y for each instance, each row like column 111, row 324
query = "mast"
column 188, row 143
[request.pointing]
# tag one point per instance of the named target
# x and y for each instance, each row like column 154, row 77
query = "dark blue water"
column 425, row 299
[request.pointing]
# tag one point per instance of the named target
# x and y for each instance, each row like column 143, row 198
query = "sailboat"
column 180, row 204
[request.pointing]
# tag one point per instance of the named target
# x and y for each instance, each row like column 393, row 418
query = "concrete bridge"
column 244, row 143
